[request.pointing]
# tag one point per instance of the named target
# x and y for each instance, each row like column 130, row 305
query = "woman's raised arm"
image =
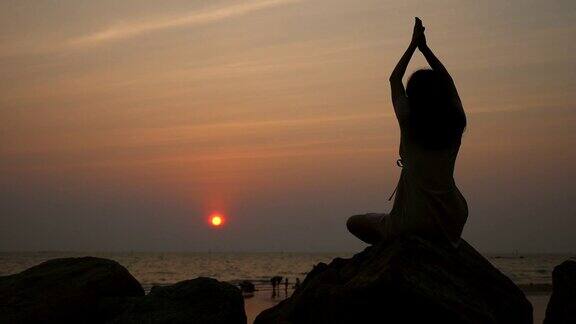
column 396, row 85
column 436, row 65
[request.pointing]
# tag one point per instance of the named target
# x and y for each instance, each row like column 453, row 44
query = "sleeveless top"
column 427, row 199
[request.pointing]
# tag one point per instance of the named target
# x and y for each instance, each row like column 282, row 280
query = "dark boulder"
column 201, row 300
column 562, row 305
column 407, row 281
column 64, row 291
column 247, row 286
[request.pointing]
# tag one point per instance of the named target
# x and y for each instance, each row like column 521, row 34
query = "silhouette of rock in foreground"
column 94, row 290
column 64, row 291
column 407, row 281
column 201, row 300
column 562, row 305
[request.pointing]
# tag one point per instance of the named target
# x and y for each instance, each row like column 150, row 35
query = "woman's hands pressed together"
column 418, row 37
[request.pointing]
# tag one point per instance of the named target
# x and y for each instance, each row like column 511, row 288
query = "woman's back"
column 427, row 197
column 432, row 168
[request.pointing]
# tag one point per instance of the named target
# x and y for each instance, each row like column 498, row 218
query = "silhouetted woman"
column 432, row 121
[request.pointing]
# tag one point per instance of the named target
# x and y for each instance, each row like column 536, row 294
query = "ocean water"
column 167, row 268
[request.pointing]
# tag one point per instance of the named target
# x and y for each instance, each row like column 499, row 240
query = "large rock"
column 407, row 281
column 201, row 300
column 64, row 291
column 562, row 305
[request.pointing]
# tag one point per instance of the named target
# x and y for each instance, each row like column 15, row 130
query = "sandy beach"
column 256, row 304
column 539, row 302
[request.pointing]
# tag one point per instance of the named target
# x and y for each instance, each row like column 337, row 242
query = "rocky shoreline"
column 410, row 280
column 96, row 290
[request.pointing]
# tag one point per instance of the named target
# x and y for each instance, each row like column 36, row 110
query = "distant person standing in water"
column 432, row 121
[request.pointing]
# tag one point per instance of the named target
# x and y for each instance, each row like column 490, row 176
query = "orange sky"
column 124, row 124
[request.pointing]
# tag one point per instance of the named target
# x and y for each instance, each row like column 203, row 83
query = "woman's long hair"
column 436, row 119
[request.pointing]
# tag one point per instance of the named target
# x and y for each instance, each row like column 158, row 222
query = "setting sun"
column 216, row 220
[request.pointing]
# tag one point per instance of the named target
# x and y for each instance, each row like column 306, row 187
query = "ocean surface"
column 167, row 268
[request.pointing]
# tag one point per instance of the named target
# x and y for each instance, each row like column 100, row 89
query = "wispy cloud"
column 194, row 18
